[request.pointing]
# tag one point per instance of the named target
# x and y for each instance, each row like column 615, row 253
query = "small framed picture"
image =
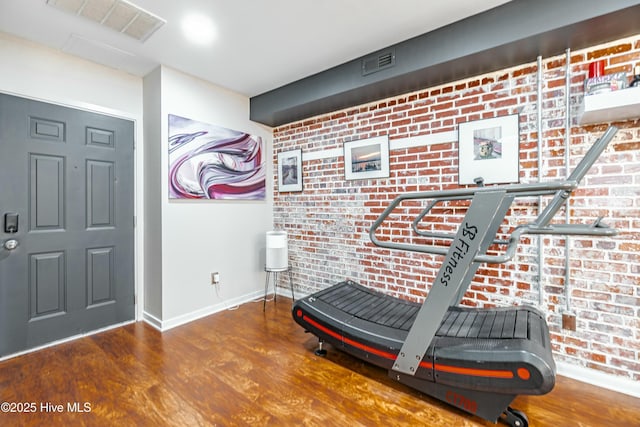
column 366, row 158
column 489, row 151
column 290, row 171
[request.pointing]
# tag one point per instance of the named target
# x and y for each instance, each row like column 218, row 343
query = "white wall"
column 152, row 221
column 33, row 71
column 203, row 236
column 187, row 240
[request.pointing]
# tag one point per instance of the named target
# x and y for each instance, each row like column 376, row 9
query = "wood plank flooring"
column 244, row 367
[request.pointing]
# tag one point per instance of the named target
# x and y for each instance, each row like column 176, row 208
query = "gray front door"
column 66, row 179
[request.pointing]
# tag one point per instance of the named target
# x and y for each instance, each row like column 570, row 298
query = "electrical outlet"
column 215, row 278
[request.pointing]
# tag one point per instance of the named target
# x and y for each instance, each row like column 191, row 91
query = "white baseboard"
column 165, row 325
column 599, row 379
column 152, row 320
column 286, row 292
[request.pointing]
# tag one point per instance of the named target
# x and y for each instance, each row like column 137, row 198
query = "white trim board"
column 394, row 144
column 165, row 325
column 423, row 140
column 322, row 154
column 599, row 379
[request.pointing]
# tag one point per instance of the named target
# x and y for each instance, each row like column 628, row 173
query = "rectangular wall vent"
column 378, row 62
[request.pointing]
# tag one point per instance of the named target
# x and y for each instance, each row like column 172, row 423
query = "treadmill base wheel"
column 515, row 418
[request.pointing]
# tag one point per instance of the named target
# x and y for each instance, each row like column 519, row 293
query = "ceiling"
column 258, row 46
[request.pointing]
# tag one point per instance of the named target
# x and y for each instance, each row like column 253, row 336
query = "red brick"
column 329, row 221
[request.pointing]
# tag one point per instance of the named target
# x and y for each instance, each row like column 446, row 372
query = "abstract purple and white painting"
column 212, row 162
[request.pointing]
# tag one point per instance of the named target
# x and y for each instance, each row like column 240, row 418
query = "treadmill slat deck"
column 502, row 350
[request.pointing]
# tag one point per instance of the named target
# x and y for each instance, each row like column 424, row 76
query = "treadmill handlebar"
column 561, row 190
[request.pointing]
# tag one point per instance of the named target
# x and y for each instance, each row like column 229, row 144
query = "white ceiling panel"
column 258, row 45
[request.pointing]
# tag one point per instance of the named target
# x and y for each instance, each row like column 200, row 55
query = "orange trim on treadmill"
column 524, row 373
column 490, row 373
column 351, row 342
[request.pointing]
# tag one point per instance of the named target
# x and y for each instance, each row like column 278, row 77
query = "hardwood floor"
column 246, row 367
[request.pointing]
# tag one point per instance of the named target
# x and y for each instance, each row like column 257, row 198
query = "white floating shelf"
column 617, row 105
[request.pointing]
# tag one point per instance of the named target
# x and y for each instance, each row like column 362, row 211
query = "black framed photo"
column 290, row 171
column 367, row 158
column 489, row 149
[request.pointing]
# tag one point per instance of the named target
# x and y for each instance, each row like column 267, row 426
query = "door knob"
column 10, row 244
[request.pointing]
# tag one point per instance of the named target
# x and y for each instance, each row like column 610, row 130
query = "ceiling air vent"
column 378, row 62
column 120, row 15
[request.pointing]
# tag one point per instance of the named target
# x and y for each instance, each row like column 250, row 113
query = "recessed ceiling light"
column 198, row 28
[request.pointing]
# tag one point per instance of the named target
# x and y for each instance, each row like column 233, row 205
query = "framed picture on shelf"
column 489, row 151
column 366, row 158
column 290, row 171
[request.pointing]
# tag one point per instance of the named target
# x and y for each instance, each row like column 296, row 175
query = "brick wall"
column 328, row 222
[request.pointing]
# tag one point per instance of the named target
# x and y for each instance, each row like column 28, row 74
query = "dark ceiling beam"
column 509, row 35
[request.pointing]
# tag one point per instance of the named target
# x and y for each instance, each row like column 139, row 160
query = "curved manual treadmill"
column 505, row 348
column 477, row 359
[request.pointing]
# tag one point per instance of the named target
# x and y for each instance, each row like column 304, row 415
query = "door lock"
column 11, row 222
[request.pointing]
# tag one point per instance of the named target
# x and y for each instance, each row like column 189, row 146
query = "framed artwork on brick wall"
column 290, row 171
column 366, row 158
column 489, row 150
